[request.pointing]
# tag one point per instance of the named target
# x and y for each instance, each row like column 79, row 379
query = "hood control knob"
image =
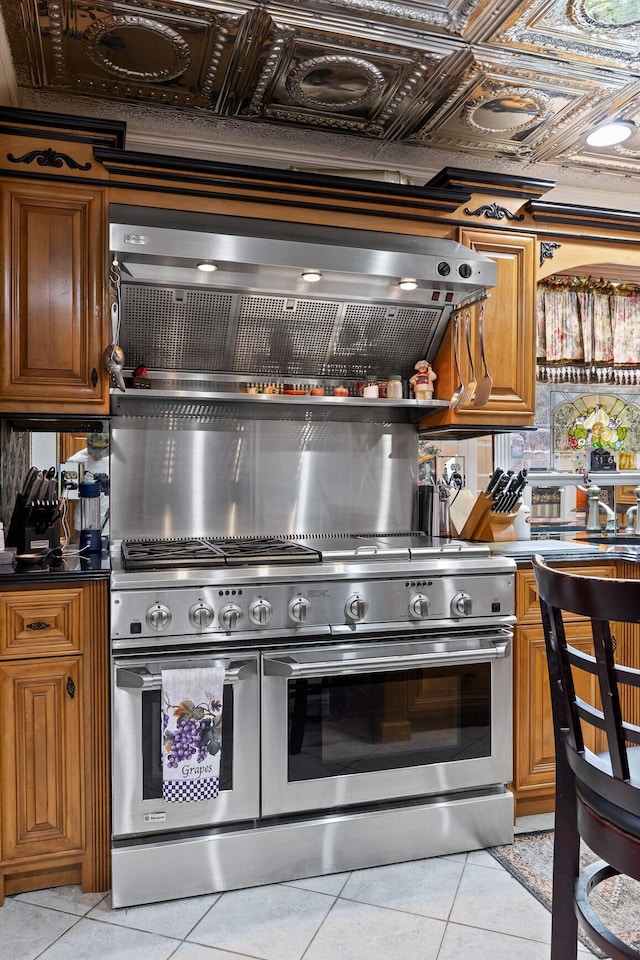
column 443, row 268
column 201, row 615
column 461, row 605
column 465, row 270
column 158, row 617
column 419, row 607
column 230, row 616
column 299, row 609
column 356, row 608
column 260, row 612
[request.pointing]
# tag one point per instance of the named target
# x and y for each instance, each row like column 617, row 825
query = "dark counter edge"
column 74, row 572
column 575, row 552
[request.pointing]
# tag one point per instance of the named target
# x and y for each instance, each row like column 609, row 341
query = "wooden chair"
column 597, row 796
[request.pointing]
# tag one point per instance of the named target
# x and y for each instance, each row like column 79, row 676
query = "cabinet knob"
column 71, row 687
column 37, row 625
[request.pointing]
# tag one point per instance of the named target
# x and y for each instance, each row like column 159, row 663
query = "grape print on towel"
column 191, row 733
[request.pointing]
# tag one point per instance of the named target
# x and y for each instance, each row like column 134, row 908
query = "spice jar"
column 394, row 387
column 370, row 388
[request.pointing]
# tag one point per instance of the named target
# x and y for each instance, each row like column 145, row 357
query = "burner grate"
column 217, row 552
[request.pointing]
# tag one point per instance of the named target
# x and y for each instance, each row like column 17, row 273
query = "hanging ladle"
column 483, row 390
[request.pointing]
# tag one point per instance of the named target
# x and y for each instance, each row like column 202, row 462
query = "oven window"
column 152, row 743
column 372, row 722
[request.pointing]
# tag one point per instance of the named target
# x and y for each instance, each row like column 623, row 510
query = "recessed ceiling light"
column 408, row 284
column 610, row 133
column 206, row 266
column 311, row 276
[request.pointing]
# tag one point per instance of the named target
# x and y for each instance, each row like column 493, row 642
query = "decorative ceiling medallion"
column 506, row 110
column 604, row 14
column 114, row 43
column 335, row 83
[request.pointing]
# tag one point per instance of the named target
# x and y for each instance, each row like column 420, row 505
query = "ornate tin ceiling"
column 489, row 78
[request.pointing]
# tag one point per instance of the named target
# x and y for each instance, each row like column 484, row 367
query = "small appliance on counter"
column 90, row 522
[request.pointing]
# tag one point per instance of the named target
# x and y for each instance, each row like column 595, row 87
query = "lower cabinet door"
column 534, row 747
column 41, row 785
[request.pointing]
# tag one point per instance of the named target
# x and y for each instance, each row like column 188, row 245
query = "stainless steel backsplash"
column 176, row 477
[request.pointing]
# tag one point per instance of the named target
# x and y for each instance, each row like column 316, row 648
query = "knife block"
column 28, row 535
column 484, row 525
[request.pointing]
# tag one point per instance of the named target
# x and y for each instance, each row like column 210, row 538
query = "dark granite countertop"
column 65, row 570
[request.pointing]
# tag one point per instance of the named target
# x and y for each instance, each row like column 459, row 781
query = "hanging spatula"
column 483, row 390
column 457, row 393
column 470, row 387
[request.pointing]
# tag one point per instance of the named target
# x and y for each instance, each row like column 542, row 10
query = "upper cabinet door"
column 509, row 337
column 54, row 309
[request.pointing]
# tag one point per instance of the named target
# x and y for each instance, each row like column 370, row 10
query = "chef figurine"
column 422, row 381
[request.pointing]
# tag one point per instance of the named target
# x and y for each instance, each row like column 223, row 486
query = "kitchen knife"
column 501, row 485
column 32, row 475
column 512, row 493
column 495, row 476
column 31, row 484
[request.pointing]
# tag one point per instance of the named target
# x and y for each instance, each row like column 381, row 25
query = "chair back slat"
column 610, row 698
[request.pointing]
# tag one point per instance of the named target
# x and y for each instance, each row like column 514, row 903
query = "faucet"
column 634, row 528
column 595, row 504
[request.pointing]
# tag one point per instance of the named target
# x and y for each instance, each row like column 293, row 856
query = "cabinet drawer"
column 527, row 600
column 36, row 623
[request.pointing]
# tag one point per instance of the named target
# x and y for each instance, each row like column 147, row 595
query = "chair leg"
column 566, row 866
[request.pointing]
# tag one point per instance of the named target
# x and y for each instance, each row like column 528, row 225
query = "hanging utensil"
column 113, row 356
column 470, row 387
column 483, row 390
column 457, row 393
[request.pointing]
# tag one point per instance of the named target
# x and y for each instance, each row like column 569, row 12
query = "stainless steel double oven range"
column 366, row 714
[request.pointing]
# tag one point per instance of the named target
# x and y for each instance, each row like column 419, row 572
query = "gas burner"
column 213, row 552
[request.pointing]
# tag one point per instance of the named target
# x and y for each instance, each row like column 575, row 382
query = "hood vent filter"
column 206, row 331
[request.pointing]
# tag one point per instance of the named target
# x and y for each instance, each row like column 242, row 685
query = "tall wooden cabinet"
column 54, row 770
column 508, row 333
column 53, row 303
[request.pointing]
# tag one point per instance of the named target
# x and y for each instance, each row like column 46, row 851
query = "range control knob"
column 356, row 608
column 461, row 605
column 201, row 615
column 158, row 616
column 419, row 607
column 260, row 612
column 230, row 616
column 299, row 609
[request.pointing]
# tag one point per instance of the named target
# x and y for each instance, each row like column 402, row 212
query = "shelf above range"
column 179, row 398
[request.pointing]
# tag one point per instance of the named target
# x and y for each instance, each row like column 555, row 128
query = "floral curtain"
column 586, row 321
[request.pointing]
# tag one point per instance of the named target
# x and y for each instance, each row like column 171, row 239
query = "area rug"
column 616, row 901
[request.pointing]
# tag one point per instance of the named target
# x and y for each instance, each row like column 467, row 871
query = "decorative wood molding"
column 492, row 211
column 547, row 250
column 48, row 157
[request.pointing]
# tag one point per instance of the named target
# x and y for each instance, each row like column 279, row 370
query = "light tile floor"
column 444, row 908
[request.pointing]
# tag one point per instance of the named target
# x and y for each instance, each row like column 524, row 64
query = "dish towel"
column 191, row 733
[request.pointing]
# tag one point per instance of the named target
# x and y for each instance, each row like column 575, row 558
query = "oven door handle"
column 141, row 678
column 288, row 666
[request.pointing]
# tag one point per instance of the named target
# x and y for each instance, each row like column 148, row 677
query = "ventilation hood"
column 256, row 315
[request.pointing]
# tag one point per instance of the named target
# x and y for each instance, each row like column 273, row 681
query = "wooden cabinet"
column 54, row 782
column 54, row 303
column 41, row 761
column 509, row 337
column 534, row 752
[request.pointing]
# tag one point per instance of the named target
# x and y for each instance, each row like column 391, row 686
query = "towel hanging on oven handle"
column 141, row 678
